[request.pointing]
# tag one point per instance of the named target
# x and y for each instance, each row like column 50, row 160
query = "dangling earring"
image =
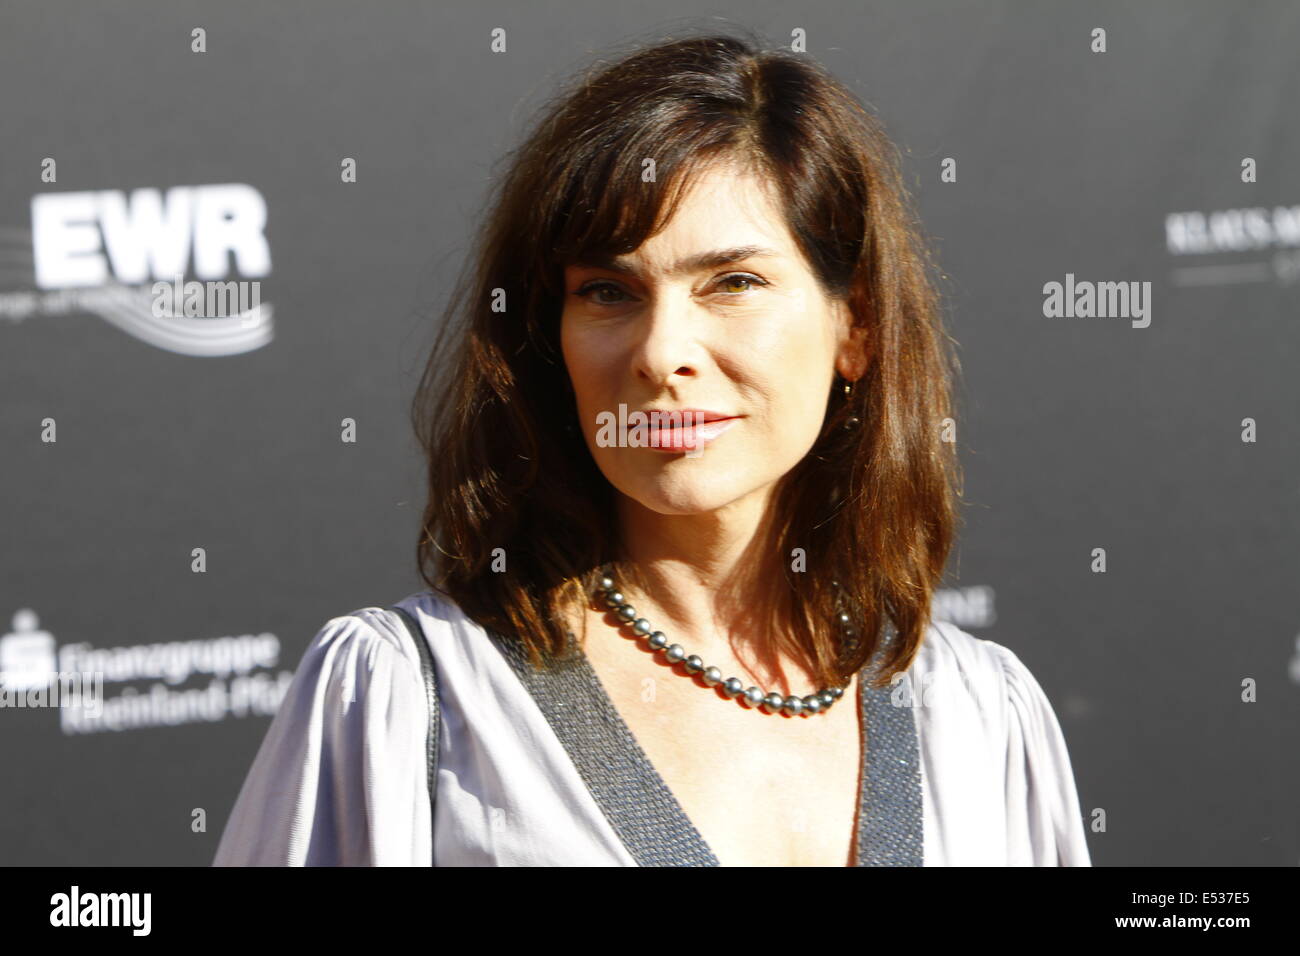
column 852, row 421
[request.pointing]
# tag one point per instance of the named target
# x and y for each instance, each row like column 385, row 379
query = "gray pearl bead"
column 817, row 702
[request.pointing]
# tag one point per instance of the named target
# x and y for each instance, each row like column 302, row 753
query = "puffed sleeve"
column 340, row 779
column 1044, row 823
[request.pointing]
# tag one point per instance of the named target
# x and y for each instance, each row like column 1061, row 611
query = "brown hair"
column 873, row 506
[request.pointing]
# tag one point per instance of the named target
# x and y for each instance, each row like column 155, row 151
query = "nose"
column 668, row 346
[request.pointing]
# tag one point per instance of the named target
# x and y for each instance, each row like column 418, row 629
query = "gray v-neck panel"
column 646, row 815
column 629, row 791
column 890, row 812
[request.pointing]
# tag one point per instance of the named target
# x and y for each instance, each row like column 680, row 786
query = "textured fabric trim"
column 429, row 674
column 890, row 815
column 634, row 798
column 642, row 809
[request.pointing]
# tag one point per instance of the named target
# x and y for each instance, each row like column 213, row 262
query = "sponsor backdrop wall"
column 185, row 504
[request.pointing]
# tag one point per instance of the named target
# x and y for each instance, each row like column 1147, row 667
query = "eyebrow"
column 696, row 263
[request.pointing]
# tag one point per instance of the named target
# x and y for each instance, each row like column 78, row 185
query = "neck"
column 712, row 582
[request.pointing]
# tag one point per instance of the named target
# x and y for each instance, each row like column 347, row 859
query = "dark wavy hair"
column 873, row 506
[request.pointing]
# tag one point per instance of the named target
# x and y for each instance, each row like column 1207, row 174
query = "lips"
column 687, row 429
column 697, row 415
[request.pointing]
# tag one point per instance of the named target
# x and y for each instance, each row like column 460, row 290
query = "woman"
column 692, row 641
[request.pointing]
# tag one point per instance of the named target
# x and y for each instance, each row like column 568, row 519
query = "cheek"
column 790, row 326
column 792, row 354
column 573, row 352
column 588, row 367
column 793, row 363
column 568, row 347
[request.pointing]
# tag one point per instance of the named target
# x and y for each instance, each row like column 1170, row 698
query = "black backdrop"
column 1078, row 433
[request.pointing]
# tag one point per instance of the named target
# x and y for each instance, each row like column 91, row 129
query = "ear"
column 854, row 355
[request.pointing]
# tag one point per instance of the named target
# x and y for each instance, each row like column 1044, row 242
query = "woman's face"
column 753, row 339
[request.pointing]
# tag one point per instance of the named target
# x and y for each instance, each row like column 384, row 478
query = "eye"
column 741, row 277
column 597, row 286
column 591, row 287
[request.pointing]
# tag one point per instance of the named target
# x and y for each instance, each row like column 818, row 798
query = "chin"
column 697, row 491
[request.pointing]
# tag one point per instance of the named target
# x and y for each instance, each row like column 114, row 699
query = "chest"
column 761, row 789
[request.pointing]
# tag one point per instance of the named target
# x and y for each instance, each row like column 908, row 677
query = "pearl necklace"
column 773, row 703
